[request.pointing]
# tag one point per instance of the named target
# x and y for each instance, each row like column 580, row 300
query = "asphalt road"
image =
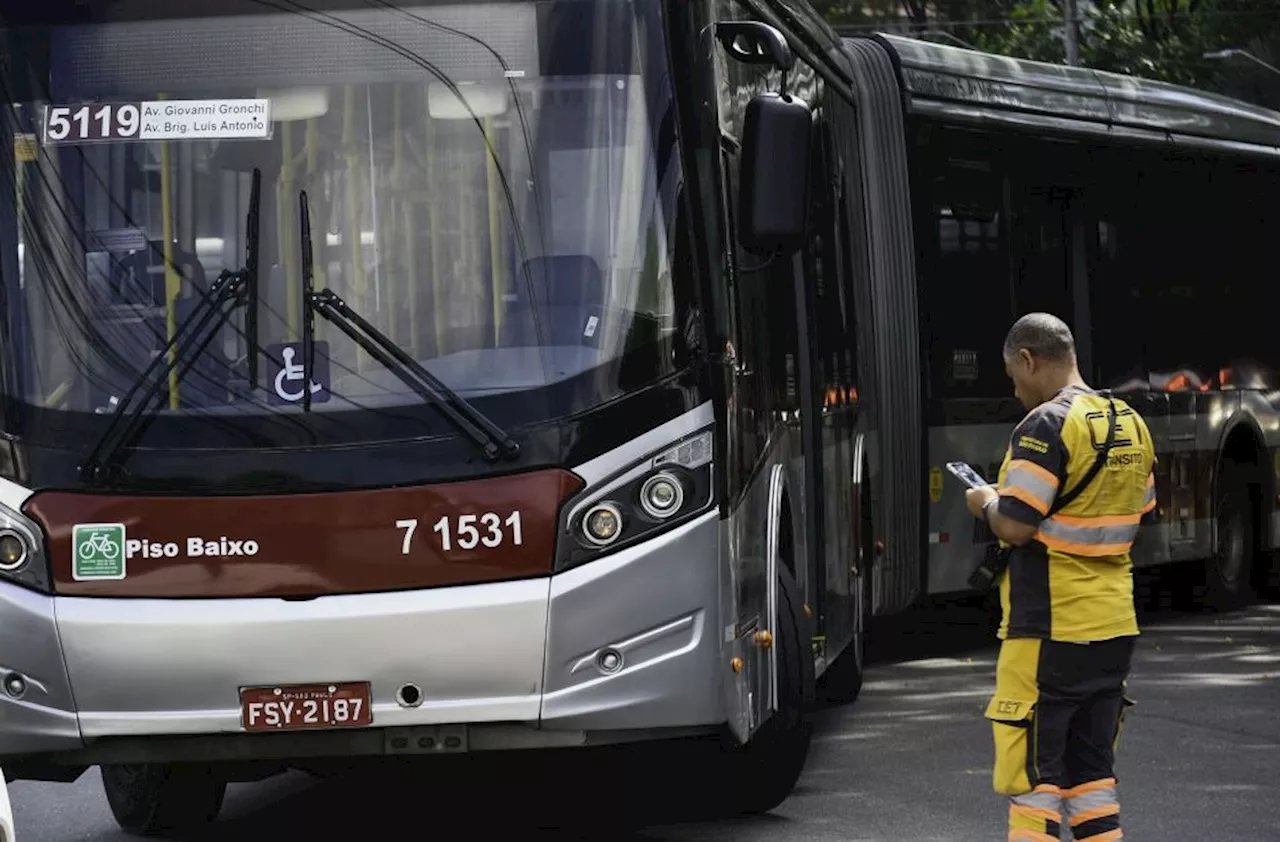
column 908, row 761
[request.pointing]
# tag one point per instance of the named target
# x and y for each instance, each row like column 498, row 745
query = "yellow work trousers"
column 1056, row 719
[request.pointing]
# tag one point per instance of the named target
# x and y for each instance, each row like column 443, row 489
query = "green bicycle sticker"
column 98, row 551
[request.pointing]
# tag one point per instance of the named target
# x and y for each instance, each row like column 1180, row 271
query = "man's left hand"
column 976, row 498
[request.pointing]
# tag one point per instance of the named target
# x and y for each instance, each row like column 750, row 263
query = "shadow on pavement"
column 600, row 794
column 939, row 628
column 597, row 794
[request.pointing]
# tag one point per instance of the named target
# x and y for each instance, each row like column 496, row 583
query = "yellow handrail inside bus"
column 292, row 267
column 353, row 207
column 411, row 268
column 395, row 274
column 172, row 283
column 468, row 244
column 58, row 395
column 319, row 210
column 24, row 152
column 496, row 284
column 410, row 286
column 433, row 220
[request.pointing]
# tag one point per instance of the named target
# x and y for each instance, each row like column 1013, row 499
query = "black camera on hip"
column 994, row 562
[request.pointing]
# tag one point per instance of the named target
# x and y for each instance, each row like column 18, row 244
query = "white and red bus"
column 413, row 377
column 393, row 379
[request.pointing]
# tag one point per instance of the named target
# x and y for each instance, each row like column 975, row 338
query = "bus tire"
column 1229, row 572
column 841, row 684
column 151, row 799
column 766, row 769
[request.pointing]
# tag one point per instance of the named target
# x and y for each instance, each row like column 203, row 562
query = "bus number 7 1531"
column 466, row 532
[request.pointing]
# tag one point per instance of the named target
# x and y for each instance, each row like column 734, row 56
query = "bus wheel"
column 1229, row 572
column 149, row 799
column 766, row 769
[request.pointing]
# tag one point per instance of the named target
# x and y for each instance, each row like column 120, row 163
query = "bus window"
column 1115, row 266
column 1181, row 289
column 828, row 271
column 964, row 285
column 1040, row 252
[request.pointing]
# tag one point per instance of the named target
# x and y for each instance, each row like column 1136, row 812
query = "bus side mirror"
column 773, row 197
column 753, row 42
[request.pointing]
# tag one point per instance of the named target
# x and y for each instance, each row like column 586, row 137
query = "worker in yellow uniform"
column 1076, row 481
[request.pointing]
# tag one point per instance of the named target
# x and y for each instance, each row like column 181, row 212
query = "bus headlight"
column 642, row 500
column 14, row 551
column 22, row 559
column 602, row 524
column 662, row 495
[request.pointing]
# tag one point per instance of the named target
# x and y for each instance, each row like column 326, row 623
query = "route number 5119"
column 468, row 531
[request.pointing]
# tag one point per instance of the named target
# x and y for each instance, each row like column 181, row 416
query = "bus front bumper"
column 530, row 654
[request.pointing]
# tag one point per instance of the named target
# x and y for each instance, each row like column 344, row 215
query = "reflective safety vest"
column 1074, row 580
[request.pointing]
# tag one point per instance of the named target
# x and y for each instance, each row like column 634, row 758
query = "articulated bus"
column 406, row 378
column 1137, row 212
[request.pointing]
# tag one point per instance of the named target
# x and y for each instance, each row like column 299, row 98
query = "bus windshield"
column 492, row 186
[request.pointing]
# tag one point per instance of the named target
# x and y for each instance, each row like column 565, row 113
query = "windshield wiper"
column 127, row 423
column 308, row 290
column 488, row 436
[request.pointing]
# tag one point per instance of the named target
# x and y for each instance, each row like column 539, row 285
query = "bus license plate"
column 303, row 707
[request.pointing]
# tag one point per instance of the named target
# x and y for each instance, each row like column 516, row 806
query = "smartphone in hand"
column 966, row 474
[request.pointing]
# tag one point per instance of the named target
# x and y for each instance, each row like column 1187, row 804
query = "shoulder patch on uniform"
column 1030, row 443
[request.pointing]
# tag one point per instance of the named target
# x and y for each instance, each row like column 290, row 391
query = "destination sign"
column 177, row 119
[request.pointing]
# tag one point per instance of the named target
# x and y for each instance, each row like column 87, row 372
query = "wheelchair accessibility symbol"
column 284, row 363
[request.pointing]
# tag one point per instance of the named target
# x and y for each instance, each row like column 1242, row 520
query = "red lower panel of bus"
column 304, row 544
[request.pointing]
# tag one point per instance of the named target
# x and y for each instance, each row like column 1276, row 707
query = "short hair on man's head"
column 1044, row 336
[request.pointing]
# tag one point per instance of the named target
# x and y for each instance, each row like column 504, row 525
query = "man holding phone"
column 1075, row 483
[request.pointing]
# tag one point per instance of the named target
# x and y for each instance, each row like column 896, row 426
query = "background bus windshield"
column 492, row 186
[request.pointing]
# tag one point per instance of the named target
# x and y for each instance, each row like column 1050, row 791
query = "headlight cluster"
column 602, row 524
column 660, row 497
column 21, row 552
column 640, row 501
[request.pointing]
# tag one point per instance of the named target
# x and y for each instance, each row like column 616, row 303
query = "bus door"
column 1174, row 321
column 829, row 402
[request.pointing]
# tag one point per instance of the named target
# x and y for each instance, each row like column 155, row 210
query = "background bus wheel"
column 1229, row 572
column 763, row 773
column 841, row 684
column 149, row 799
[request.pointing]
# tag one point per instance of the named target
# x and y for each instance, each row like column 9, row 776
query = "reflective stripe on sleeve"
column 1026, row 481
column 1149, row 502
column 1089, row 536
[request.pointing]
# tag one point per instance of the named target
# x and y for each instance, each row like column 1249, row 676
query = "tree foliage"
column 1154, row 39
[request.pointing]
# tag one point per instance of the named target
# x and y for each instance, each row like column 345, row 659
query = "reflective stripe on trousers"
column 1094, row 811
column 1091, row 809
column 1036, row 816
